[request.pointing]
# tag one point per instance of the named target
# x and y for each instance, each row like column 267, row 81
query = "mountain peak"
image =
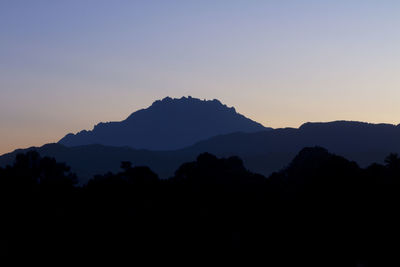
column 169, row 123
column 186, row 100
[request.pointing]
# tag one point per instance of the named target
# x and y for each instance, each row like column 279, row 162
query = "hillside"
column 262, row 152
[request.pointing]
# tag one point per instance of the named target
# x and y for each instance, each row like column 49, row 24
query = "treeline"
column 322, row 210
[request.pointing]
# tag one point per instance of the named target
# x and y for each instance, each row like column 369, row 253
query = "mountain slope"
column 90, row 160
column 262, row 152
column 269, row 151
column 166, row 125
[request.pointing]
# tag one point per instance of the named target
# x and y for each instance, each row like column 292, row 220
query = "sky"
column 68, row 65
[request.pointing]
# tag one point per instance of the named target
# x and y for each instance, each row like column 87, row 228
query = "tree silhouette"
column 321, row 210
column 393, row 161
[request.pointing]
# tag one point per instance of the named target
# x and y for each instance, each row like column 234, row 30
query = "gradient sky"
column 67, row 65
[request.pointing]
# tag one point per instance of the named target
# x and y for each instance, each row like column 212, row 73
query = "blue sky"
column 67, row 65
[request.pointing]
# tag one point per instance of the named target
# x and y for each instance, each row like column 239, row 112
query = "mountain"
column 270, row 151
column 262, row 152
column 167, row 124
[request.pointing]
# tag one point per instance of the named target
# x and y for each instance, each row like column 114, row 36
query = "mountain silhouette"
column 166, row 125
column 265, row 152
column 262, row 152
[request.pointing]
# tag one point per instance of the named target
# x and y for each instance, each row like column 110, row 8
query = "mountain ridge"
column 262, row 152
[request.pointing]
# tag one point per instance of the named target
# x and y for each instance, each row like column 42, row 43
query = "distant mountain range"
column 262, row 152
column 168, row 124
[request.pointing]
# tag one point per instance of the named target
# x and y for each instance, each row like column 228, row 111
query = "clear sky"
column 67, row 65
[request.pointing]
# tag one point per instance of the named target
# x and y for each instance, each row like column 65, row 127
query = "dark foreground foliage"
column 322, row 210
